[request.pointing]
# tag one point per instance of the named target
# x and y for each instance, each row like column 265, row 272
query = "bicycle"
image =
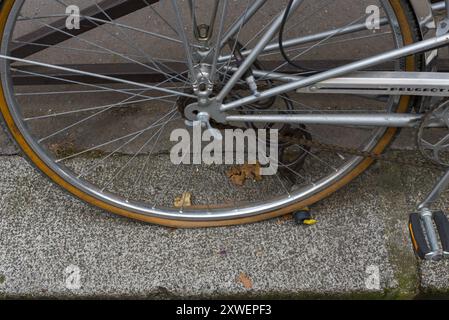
column 91, row 95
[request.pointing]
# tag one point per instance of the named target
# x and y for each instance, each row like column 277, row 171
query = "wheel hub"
column 206, row 107
column 202, row 84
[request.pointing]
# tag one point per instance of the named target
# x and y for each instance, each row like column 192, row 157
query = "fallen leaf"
column 62, row 149
column 233, row 171
column 245, row 280
column 238, row 180
column 284, row 219
column 239, row 174
column 183, row 201
column 252, row 171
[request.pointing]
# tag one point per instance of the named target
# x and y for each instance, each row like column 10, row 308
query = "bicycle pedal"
column 429, row 232
column 442, row 224
column 418, row 236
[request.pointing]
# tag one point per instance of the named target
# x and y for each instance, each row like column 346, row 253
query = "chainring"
column 434, row 142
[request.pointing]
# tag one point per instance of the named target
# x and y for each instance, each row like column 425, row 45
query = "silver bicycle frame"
column 305, row 84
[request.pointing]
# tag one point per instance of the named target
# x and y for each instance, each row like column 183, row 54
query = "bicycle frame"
column 313, row 82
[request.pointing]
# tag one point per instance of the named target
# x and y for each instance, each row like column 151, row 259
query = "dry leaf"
column 239, row 174
column 284, row 219
column 245, row 280
column 233, row 171
column 183, row 201
column 236, row 176
column 62, row 149
column 252, row 171
column 238, row 179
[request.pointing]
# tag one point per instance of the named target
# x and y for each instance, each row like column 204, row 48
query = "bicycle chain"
column 398, row 159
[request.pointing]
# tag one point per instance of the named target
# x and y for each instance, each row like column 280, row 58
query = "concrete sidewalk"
column 52, row 245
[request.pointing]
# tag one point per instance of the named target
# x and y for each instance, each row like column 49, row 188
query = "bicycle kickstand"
column 429, row 229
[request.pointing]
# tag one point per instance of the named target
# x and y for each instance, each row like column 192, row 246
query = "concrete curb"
column 45, row 231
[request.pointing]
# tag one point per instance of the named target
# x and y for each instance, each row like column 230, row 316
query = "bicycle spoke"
column 99, row 46
column 161, row 17
column 106, row 90
column 86, row 118
column 137, row 181
column 133, row 138
column 126, row 36
column 126, row 92
column 325, row 3
column 313, row 46
column 71, row 49
column 149, row 33
column 108, row 106
column 219, row 37
column 183, row 36
column 107, row 143
column 95, row 75
column 121, row 91
column 236, row 39
column 330, row 43
column 118, row 172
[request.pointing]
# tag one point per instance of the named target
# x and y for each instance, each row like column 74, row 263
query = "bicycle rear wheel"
column 107, row 142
